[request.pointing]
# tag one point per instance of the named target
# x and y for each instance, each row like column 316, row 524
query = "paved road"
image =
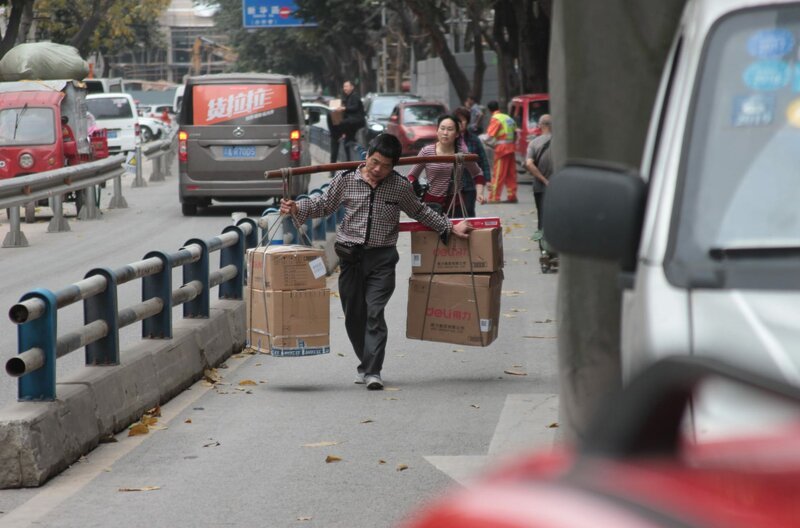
column 255, row 455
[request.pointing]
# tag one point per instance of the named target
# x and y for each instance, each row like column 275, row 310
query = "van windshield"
column 27, row 126
column 110, row 107
column 740, row 183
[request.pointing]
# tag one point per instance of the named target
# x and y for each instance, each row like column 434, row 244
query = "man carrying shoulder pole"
column 373, row 194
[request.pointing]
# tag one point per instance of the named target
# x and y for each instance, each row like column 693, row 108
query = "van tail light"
column 295, row 137
column 183, row 152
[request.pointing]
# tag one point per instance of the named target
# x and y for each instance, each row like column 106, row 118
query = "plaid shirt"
column 439, row 174
column 372, row 216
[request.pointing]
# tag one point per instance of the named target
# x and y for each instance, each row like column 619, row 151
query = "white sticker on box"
column 486, row 325
column 416, row 260
column 318, row 267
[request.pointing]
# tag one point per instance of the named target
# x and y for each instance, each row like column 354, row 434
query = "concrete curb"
column 40, row 439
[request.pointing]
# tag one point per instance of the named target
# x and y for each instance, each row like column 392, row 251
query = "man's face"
column 378, row 167
column 347, row 87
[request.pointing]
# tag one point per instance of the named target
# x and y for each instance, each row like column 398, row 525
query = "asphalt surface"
column 254, row 453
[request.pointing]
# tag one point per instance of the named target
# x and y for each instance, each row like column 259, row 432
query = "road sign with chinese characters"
column 271, row 13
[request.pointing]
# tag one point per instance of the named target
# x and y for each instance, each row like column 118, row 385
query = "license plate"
column 111, row 134
column 238, row 152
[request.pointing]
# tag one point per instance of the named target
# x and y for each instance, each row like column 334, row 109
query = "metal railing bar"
column 138, row 269
column 31, row 309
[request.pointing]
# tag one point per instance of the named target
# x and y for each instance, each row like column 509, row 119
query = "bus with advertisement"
column 233, row 128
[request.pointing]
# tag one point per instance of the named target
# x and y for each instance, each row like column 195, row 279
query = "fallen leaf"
column 510, row 316
column 304, row 518
column 545, row 321
column 143, row 488
column 539, row 337
column 262, row 381
column 211, row 444
column 517, row 310
column 475, row 405
column 515, row 372
column 155, row 411
column 553, row 425
column 458, row 350
column 259, row 364
column 340, row 354
column 321, row 444
column 402, row 467
column 366, row 421
column 188, row 420
column 392, row 389
column 332, row 458
column 108, row 439
column 247, row 382
column 238, row 356
column 138, row 429
column 149, row 420
column 381, row 461
column 512, row 293
column 211, row 376
column 517, row 366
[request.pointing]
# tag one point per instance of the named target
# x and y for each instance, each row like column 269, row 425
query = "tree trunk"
column 26, row 22
column 623, row 72
column 477, row 50
column 80, row 40
column 10, row 38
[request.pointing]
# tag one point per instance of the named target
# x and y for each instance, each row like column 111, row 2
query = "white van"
column 104, row 85
column 708, row 232
column 116, row 112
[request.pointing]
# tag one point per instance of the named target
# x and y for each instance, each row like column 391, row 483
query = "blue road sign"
column 271, row 13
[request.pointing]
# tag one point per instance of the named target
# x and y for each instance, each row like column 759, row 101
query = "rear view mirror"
column 595, row 211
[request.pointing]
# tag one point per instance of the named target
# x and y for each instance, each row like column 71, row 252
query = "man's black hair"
column 386, row 145
column 492, row 106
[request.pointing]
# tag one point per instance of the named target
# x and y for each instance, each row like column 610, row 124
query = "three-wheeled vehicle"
column 44, row 126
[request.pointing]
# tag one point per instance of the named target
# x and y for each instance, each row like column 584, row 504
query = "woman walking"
column 440, row 175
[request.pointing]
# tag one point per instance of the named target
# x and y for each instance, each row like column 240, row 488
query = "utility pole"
column 383, row 45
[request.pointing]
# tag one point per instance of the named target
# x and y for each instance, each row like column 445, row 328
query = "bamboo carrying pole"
column 345, row 165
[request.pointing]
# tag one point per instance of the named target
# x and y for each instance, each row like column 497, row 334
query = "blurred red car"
column 414, row 124
column 526, row 110
column 637, row 469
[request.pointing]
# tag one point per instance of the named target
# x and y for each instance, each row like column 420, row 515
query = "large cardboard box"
column 430, row 255
column 290, row 323
column 450, row 314
column 290, row 267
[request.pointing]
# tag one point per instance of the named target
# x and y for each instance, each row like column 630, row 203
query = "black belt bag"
column 350, row 254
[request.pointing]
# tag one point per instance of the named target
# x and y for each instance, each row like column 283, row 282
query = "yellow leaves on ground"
column 247, row 382
column 402, row 467
column 143, row 488
column 148, row 422
column 321, row 444
column 553, row 425
column 304, row 518
column 212, row 376
column 332, row 458
column 512, row 293
column 515, row 372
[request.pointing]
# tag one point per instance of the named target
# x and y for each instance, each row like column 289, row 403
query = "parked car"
column 526, row 110
column 635, row 467
column 116, row 112
column 378, row 108
column 233, row 127
column 152, row 128
column 707, row 231
column 414, row 124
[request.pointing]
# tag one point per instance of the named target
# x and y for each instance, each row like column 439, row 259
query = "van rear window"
column 110, row 108
column 239, row 104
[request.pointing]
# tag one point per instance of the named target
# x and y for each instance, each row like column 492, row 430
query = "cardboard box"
column 290, row 323
column 290, row 267
column 337, row 111
column 449, row 314
column 479, row 222
column 430, row 255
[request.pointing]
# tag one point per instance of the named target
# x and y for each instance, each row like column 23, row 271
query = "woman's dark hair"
column 462, row 112
column 455, row 120
column 386, row 145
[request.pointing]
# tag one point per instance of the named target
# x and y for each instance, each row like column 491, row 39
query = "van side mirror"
column 596, row 210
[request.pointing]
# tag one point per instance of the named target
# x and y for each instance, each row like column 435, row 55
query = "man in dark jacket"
column 353, row 120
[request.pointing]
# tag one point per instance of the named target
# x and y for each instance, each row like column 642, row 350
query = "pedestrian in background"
column 353, row 120
column 539, row 162
column 474, row 146
column 502, row 131
column 476, row 114
column 440, row 175
column 366, row 242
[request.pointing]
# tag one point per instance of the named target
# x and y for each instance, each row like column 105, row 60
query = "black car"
column 378, row 107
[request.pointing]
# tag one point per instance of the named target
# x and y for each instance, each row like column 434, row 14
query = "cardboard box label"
column 484, row 246
column 318, row 268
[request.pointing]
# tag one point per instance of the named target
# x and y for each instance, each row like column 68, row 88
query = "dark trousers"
column 538, row 198
column 364, row 288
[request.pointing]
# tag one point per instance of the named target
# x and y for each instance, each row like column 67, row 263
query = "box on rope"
column 484, row 247
column 289, row 323
column 462, row 309
column 286, row 267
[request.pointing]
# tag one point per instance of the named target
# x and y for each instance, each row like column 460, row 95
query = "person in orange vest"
column 502, row 132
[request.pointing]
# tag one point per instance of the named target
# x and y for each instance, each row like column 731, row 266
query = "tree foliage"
column 107, row 26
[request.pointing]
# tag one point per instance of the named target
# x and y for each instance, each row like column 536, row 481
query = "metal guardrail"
column 39, row 346
column 54, row 185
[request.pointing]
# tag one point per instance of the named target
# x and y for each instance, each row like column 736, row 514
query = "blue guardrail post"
column 200, row 306
column 234, row 288
column 159, row 285
column 103, row 306
column 39, row 385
